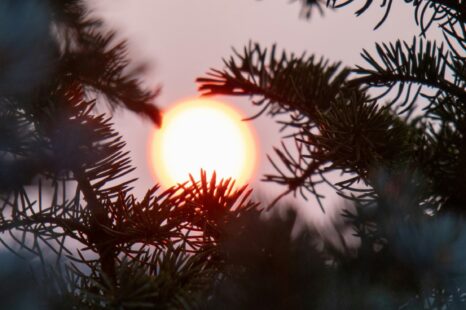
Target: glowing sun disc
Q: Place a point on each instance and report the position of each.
(203, 134)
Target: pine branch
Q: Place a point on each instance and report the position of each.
(442, 10)
(444, 153)
(87, 146)
(450, 16)
(100, 162)
(166, 279)
(209, 204)
(32, 223)
(82, 151)
(91, 56)
(401, 65)
(336, 126)
(286, 83)
(153, 221)
(22, 152)
(96, 155)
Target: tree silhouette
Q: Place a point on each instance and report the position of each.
(65, 191)
(394, 129)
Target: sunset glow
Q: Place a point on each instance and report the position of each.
(203, 134)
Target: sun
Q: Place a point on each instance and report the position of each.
(203, 134)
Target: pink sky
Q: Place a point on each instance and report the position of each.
(183, 39)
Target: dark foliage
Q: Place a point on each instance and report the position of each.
(394, 129)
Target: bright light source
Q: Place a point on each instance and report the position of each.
(203, 134)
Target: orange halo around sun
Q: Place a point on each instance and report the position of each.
(203, 134)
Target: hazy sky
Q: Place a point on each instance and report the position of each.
(181, 40)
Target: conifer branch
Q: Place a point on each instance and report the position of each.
(68, 225)
(336, 124)
(402, 64)
(92, 56)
